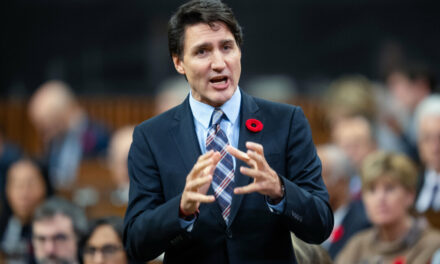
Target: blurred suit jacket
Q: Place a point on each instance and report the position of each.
(163, 152)
(354, 221)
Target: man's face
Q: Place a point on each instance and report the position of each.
(54, 240)
(210, 62)
(429, 142)
(353, 135)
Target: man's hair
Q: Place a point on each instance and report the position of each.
(55, 206)
(200, 11)
(430, 106)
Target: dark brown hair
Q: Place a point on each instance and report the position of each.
(200, 11)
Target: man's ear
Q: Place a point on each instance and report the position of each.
(178, 64)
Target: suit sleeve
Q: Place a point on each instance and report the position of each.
(151, 224)
(307, 208)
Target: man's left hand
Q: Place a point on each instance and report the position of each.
(266, 180)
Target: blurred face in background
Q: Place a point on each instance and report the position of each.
(429, 142)
(387, 201)
(211, 62)
(104, 247)
(354, 136)
(54, 240)
(25, 189)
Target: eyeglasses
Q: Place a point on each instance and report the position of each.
(107, 251)
(57, 239)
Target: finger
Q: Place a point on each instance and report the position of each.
(237, 153)
(240, 155)
(258, 158)
(201, 198)
(255, 147)
(198, 182)
(200, 166)
(251, 188)
(253, 173)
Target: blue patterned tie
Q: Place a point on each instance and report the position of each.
(223, 181)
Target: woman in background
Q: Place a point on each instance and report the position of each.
(388, 189)
(103, 242)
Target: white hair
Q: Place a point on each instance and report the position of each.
(339, 164)
(428, 107)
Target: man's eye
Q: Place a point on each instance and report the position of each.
(201, 52)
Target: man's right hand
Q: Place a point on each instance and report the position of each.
(197, 183)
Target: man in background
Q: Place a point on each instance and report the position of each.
(56, 229)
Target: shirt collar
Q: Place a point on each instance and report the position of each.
(202, 112)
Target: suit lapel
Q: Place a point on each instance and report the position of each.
(184, 135)
(249, 110)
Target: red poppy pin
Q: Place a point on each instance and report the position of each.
(399, 260)
(337, 234)
(254, 125)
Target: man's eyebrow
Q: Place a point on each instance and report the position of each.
(227, 41)
(201, 46)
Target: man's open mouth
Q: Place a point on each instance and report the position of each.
(219, 80)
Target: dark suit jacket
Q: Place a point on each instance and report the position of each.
(163, 152)
(354, 221)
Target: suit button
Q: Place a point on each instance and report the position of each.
(228, 233)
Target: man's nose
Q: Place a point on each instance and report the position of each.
(49, 247)
(218, 61)
(98, 257)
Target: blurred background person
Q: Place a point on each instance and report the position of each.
(409, 84)
(427, 118)
(283, 88)
(309, 254)
(102, 243)
(171, 92)
(388, 189)
(349, 214)
(9, 154)
(354, 135)
(67, 132)
(57, 227)
(117, 161)
(26, 188)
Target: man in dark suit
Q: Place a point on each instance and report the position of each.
(223, 177)
(349, 214)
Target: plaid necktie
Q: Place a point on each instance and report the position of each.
(223, 181)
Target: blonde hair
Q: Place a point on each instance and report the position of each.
(381, 164)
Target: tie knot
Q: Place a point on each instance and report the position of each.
(217, 116)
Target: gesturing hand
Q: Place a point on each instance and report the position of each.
(266, 180)
(197, 183)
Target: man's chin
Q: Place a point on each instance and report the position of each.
(54, 261)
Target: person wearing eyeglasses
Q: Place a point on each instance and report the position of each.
(57, 228)
(102, 243)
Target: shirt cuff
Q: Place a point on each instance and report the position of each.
(277, 208)
(187, 224)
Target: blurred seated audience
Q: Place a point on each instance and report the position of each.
(102, 243)
(9, 154)
(57, 227)
(409, 84)
(171, 93)
(349, 215)
(309, 254)
(355, 136)
(26, 188)
(388, 189)
(69, 135)
(428, 123)
(117, 162)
